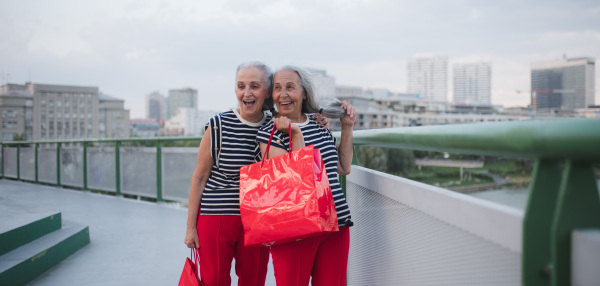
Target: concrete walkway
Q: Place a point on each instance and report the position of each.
(132, 242)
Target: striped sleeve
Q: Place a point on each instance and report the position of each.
(264, 133)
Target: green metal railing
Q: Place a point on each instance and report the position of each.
(118, 142)
(563, 191)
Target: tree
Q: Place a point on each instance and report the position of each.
(400, 161)
(372, 157)
(387, 160)
(20, 137)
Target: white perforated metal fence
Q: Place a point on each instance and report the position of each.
(409, 233)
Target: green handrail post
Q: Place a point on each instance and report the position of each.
(118, 168)
(159, 146)
(35, 152)
(85, 183)
(18, 162)
(342, 178)
(2, 163)
(58, 144)
(537, 222)
(578, 207)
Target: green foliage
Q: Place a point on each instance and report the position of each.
(20, 137)
(509, 167)
(387, 160)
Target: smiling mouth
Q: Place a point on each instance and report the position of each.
(286, 103)
(249, 103)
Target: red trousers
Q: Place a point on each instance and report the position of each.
(221, 240)
(324, 257)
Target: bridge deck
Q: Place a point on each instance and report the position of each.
(132, 242)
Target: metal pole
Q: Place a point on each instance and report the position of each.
(2, 156)
(159, 146)
(85, 182)
(18, 162)
(35, 150)
(118, 168)
(58, 163)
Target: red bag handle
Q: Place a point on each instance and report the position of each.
(196, 259)
(271, 138)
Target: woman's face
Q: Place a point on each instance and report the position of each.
(288, 93)
(251, 92)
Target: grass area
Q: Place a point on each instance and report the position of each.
(447, 177)
(517, 172)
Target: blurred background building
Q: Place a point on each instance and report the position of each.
(113, 118)
(156, 106)
(564, 84)
(188, 121)
(53, 112)
(185, 97)
(472, 83)
(428, 77)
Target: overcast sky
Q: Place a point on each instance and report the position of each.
(130, 48)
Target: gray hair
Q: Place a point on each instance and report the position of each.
(268, 104)
(311, 105)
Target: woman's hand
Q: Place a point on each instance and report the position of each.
(282, 123)
(191, 239)
(350, 117)
(321, 120)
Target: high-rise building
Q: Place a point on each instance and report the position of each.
(564, 84)
(51, 112)
(185, 97)
(156, 106)
(472, 83)
(428, 77)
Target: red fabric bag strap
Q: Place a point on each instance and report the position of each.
(270, 140)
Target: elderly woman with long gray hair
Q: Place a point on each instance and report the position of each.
(325, 257)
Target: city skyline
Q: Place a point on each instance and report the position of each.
(129, 49)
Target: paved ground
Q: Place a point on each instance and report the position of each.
(132, 242)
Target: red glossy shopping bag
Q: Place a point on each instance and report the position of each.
(189, 275)
(286, 198)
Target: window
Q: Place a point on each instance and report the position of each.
(9, 125)
(7, 136)
(9, 113)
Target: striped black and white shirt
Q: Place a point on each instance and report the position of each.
(326, 143)
(232, 148)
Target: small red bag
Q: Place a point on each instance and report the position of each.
(189, 275)
(286, 198)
